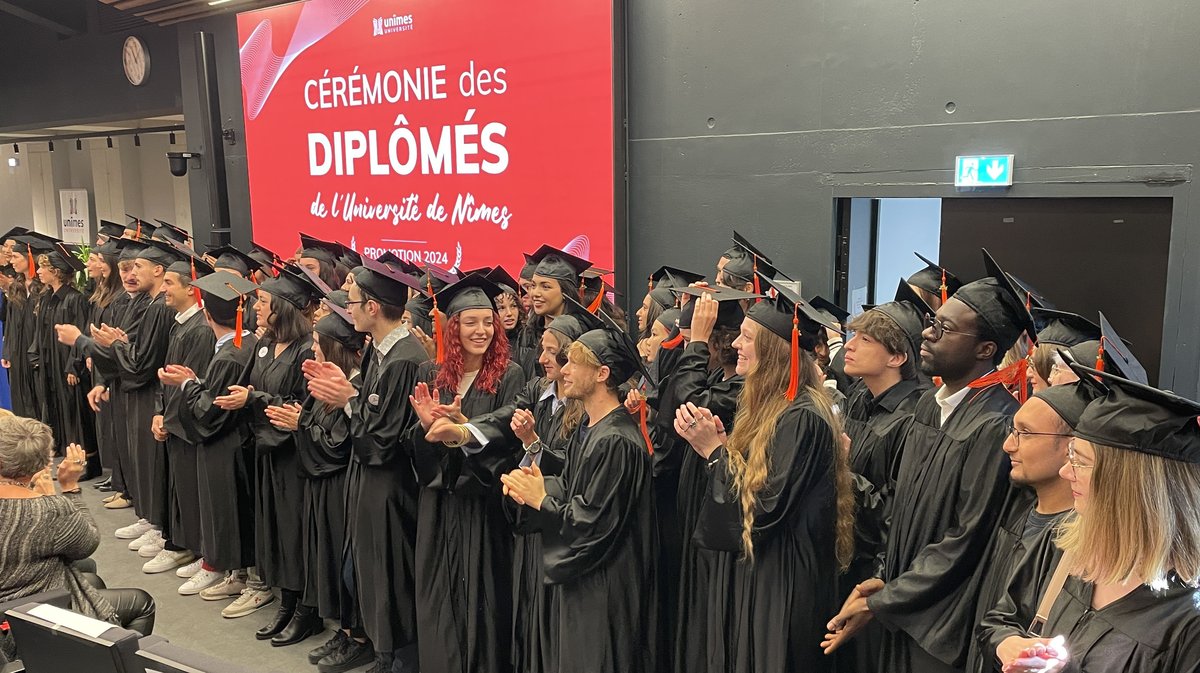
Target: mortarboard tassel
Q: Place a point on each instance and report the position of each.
(1012, 375)
(945, 293)
(196, 290)
(673, 343)
(594, 307)
(138, 235)
(32, 262)
(237, 327)
(794, 379)
(757, 286)
(645, 429)
(1100, 355)
(437, 326)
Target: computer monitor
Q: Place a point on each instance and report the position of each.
(163, 657)
(52, 640)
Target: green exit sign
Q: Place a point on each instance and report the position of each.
(984, 170)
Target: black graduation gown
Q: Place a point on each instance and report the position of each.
(75, 422)
(192, 345)
(103, 373)
(127, 311)
(877, 428)
(951, 485)
(382, 495)
(224, 458)
(529, 345)
(43, 409)
(518, 350)
(781, 601)
(279, 498)
(323, 450)
(1034, 560)
(1144, 632)
(598, 544)
(20, 328)
(138, 362)
(464, 545)
(697, 641)
(531, 596)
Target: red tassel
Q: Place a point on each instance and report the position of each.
(237, 326)
(1014, 374)
(196, 290)
(645, 428)
(794, 379)
(437, 326)
(757, 286)
(945, 293)
(594, 307)
(1029, 301)
(32, 264)
(138, 235)
(673, 343)
(1100, 355)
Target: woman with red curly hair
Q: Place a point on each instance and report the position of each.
(464, 544)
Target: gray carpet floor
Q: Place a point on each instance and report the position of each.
(189, 621)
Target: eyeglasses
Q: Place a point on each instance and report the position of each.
(1017, 434)
(939, 328)
(351, 303)
(1073, 460)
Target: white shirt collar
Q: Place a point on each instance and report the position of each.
(226, 338)
(948, 403)
(187, 315)
(552, 391)
(390, 340)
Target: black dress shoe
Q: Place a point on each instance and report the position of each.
(350, 656)
(305, 622)
(332, 645)
(105, 485)
(282, 616)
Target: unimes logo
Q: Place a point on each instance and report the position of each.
(386, 25)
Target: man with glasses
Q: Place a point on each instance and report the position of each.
(951, 486)
(1036, 447)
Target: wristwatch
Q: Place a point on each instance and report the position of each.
(534, 448)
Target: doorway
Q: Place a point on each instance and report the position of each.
(1083, 254)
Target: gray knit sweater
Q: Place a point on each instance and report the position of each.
(39, 538)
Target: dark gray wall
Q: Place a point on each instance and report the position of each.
(46, 80)
(814, 100)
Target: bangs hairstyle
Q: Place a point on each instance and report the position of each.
(653, 313)
(287, 324)
(883, 329)
(495, 358)
(760, 404)
(1142, 520)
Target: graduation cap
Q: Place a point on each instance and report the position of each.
(1069, 400)
(1061, 328)
(8, 270)
(1033, 298)
(908, 312)
(292, 286)
(559, 265)
(193, 266)
(160, 252)
(1137, 417)
(139, 229)
(266, 258)
(109, 248)
(747, 263)
(315, 248)
(418, 308)
(315, 280)
(435, 279)
(473, 292)
(575, 320)
(339, 326)
(34, 242)
(935, 279)
(339, 298)
(229, 257)
(19, 231)
(614, 349)
(529, 267)
(168, 231)
(998, 305)
(669, 318)
(670, 277)
(1113, 347)
(837, 313)
(729, 305)
(507, 284)
(383, 283)
(65, 257)
(792, 319)
(227, 287)
(350, 257)
(127, 248)
(392, 259)
(110, 229)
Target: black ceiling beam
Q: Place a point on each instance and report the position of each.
(8, 7)
(93, 134)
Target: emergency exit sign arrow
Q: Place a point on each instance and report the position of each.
(995, 170)
(983, 171)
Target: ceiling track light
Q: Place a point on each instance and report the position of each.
(51, 145)
(16, 148)
(110, 142)
(171, 137)
(78, 144)
(137, 140)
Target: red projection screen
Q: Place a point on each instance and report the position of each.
(459, 133)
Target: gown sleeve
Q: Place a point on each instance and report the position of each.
(139, 360)
(379, 429)
(590, 521)
(206, 420)
(324, 434)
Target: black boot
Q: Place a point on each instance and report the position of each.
(332, 645)
(351, 655)
(93, 467)
(287, 608)
(105, 485)
(305, 622)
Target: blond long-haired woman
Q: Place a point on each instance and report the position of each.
(779, 493)
(1133, 549)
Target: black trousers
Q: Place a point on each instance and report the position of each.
(135, 608)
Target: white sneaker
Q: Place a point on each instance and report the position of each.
(231, 587)
(248, 602)
(167, 560)
(134, 530)
(151, 548)
(190, 569)
(202, 580)
(142, 541)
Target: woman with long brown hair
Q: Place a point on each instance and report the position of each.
(463, 544)
(779, 493)
(21, 330)
(555, 276)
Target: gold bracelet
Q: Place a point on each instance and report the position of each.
(462, 441)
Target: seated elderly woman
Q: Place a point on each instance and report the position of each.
(45, 534)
